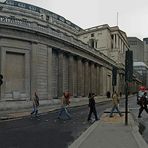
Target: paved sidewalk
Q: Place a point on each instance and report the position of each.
(111, 133)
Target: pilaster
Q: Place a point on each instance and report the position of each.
(79, 76)
(98, 80)
(71, 73)
(75, 77)
(60, 76)
(86, 79)
(49, 52)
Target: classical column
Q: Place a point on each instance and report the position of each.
(92, 78)
(79, 76)
(49, 52)
(117, 41)
(86, 79)
(98, 80)
(75, 77)
(114, 41)
(60, 76)
(118, 83)
(120, 45)
(95, 79)
(89, 77)
(65, 72)
(71, 67)
(83, 79)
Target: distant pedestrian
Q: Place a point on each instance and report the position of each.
(64, 104)
(35, 101)
(143, 104)
(92, 106)
(115, 101)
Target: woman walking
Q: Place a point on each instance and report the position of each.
(115, 101)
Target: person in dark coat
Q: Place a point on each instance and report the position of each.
(92, 107)
(143, 104)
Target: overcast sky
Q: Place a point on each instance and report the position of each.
(132, 14)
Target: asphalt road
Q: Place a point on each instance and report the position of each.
(46, 131)
(49, 132)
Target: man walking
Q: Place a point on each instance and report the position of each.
(143, 104)
(92, 107)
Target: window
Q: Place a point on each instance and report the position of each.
(47, 18)
(92, 35)
(92, 43)
(96, 44)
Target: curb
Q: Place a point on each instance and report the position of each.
(138, 137)
(83, 136)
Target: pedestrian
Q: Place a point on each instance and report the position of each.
(92, 107)
(35, 101)
(143, 104)
(115, 101)
(64, 105)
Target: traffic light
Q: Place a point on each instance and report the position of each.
(1, 79)
(129, 66)
(114, 76)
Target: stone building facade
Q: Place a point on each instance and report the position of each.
(40, 51)
(111, 41)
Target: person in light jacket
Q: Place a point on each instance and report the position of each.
(35, 101)
(115, 101)
(64, 104)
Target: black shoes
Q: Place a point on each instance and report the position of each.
(139, 116)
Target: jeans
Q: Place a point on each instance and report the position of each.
(64, 109)
(115, 107)
(35, 110)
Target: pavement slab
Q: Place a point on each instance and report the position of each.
(111, 133)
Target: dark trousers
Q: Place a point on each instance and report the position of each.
(92, 110)
(142, 108)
